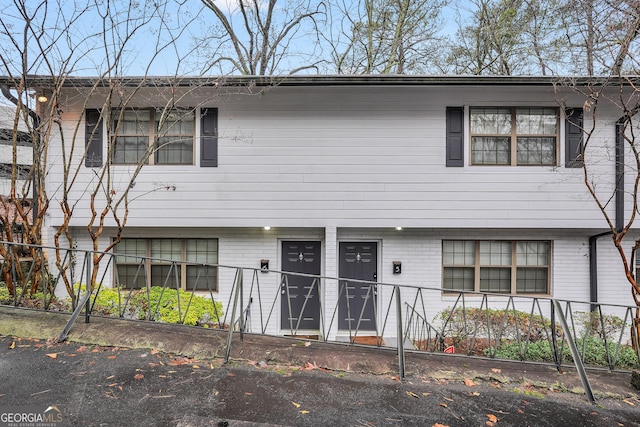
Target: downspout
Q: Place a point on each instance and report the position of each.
(36, 143)
(620, 124)
(619, 193)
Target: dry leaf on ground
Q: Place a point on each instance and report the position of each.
(52, 355)
(179, 361)
(138, 376)
(468, 382)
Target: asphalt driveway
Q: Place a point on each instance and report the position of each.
(271, 381)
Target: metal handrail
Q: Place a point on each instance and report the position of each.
(474, 320)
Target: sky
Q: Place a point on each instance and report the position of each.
(172, 35)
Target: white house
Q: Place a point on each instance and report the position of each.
(452, 183)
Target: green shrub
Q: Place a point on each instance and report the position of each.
(25, 297)
(536, 351)
(591, 349)
(5, 296)
(518, 335)
(158, 304)
(194, 309)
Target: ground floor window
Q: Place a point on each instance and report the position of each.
(511, 267)
(156, 262)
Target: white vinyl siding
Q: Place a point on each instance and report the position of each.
(354, 157)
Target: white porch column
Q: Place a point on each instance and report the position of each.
(330, 298)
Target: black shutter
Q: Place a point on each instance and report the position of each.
(209, 137)
(93, 138)
(455, 136)
(573, 130)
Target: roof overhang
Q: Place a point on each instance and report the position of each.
(38, 81)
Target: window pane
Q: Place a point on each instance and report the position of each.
(202, 278)
(166, 249)
(175, 129)
(486, 150)
(495, 253)
(203, 251)
(491, 121)
(130, 263)
(133, 247)
(174, 150)
(458, 279)
(536, 151)
(532, 280)
(129, 149)
(130, 132)
(130, 276)
(131, 122)
(164, 275)
(536, 121)
(459, 252)
(532, 253)
(495, 280)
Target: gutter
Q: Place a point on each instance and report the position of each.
(620, 173)
(320, 80)
(593, 268)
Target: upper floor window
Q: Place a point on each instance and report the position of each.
(153, 136)
(514, 136)
(511, 267)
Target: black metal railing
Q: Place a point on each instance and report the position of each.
(407, 318)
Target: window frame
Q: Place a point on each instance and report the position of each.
(150, 262)
(152, 135)
(514, 266)
(513, 135)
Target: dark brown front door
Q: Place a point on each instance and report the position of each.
(299, 295)
(357, 301)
